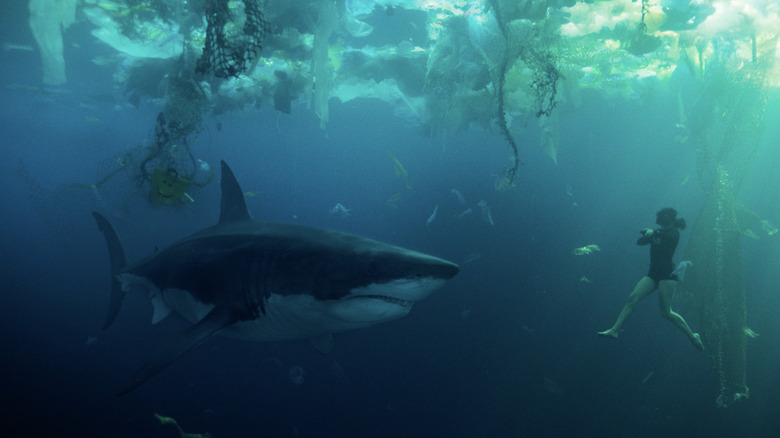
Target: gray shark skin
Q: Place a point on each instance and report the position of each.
(263, 281)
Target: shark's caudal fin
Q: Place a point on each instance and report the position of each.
(233, 207)
(216, 320)
(116, 253)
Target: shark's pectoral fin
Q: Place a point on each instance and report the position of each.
(323, 344)
(179, 344)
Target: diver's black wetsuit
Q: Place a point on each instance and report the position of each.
(662, 243)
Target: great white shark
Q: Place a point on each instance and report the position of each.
(263, 281)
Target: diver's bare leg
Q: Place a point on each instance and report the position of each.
(643, 288)
(666, 289)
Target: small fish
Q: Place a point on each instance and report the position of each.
(105, 61)
(647, 377)
(489, 217)
(768, 228)
(464, 213)
(400, 171)
(394, 200)
(459, 195)
(471, 257)
(679, 271)
(340, 209)
(486, 215)
(7, 47)
(585, 250)
(432, 217)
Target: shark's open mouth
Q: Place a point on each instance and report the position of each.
(393, 300)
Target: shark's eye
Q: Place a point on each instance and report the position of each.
(372, 267)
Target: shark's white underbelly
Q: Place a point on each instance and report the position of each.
(285, 318)
(299, 316)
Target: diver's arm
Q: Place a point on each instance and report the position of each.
(646, 238)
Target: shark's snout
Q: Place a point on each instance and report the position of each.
(448, 269)
(434, 267)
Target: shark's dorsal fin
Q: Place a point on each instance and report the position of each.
(233, 207)
(216, 320)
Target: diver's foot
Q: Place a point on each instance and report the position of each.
(697, 342)
(609, 334)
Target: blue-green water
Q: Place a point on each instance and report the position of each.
(508, 348)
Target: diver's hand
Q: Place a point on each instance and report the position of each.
(647, 232)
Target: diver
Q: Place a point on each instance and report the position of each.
(661, 276)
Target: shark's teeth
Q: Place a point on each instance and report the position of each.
(397, 301)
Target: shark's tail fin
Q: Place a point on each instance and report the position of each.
(116, 253)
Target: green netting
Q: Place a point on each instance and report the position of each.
(717, 286)
(234, 37)
(727, 126)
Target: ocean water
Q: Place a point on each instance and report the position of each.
(508, 348)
